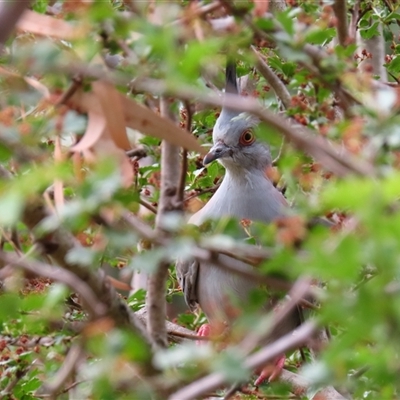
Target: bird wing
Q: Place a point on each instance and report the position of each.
(187, 272)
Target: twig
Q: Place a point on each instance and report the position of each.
(340, 9)
(184, 162)
(214, 381)
(149, 206)
(279, 88)
(278, 156)
(73, 385)
(211, 189)
(175, 332)
(75, 85)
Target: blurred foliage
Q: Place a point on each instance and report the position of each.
(357, 260)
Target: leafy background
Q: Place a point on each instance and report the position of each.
(79, 193)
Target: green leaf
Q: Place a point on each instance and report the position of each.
(10, 304)
(11, 206)
(394, 66)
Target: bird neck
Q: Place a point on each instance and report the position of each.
(238, 175)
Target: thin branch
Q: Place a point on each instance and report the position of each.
(278, 156)
(149, 206)
(74, 86)
(214, 381)
(176, 333)
(91, 302)
(277, 85)
(64, 373)
(299, 290)
(340, 9)
(19, 374)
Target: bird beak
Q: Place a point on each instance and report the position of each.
(217, 151)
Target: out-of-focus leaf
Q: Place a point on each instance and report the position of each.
(9, 306)
(140, 118)
(46, 25)
(111, 106)
(185, 353)
(11, 206)
(231, 365)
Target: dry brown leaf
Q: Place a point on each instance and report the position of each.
(98, 138)
(118, 284)
(95, 129)
(45, 25)
(140, 118)
(111, 106)
(30, 81)
(98, 327)
(147, 121)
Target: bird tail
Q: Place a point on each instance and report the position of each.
(231, 79)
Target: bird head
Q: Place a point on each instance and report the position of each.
(235, 144)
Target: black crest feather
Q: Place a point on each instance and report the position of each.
(231, 80)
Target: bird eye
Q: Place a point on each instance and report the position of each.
(247, 137)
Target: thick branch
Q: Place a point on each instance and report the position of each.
(156, 302)
(376, 48)
(333, 158)
(300, 386)
(340, 8)
(10, 12)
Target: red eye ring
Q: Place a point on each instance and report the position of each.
(247, 137)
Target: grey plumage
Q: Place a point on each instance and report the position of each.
(245, 193)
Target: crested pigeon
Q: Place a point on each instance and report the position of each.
(245, 193)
